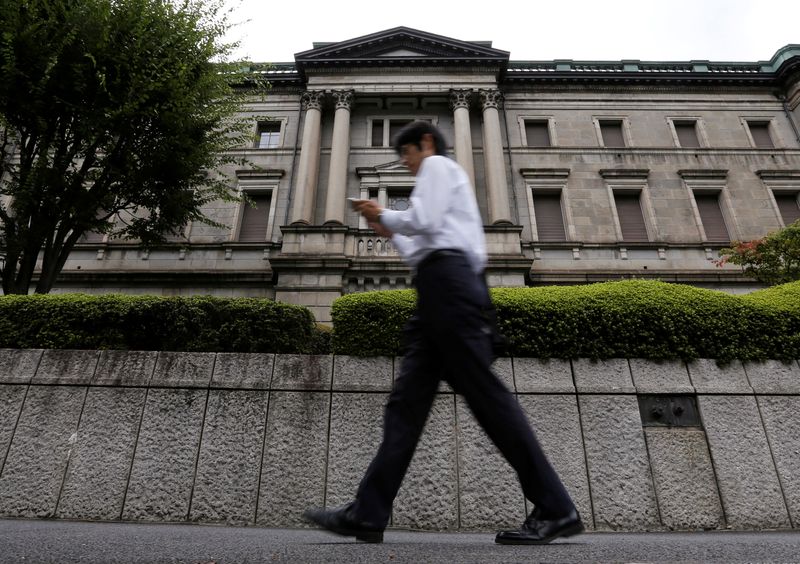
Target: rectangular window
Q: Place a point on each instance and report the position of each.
(549, 218)
(395, 125)
(377, 133)
(712, 218)
(687, 133)
(631, 219)
(269, 134)
(759, 131)
(255, 219)
(788, 206)
(537, 133)
(611, 130)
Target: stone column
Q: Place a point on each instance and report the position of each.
(496, 181)
(459, 103)
(305, 187)
(340, 151)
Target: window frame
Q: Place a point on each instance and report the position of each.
(699, 129)
(523, 132)
(387, 141)
(281, 132)
(627, 138)
(772, 131)
(258, 183)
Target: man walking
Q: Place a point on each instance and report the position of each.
(441, 237)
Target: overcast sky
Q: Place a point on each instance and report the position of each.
(605, 30)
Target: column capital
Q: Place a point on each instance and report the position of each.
(312, 99)
(491, 98)
(343, 98)
(460, 98)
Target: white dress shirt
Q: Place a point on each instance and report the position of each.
(443, 215)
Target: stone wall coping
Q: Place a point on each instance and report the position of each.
(343, 373)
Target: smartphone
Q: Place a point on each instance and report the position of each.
(355, 202)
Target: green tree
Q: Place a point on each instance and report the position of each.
(109, 110)
(775, 259)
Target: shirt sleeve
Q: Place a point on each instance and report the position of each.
(429, 201)
(404, 245)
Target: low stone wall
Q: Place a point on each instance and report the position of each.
(253, 439)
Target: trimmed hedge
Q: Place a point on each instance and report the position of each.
(632, 318)
(199, 323)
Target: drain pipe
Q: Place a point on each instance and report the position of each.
(788, 113)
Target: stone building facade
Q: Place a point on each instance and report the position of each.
(584, 171)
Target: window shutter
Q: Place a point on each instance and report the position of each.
(549, 219)
(255, 219)
(787, 204)
(760, 132)
(612, 133)
(537, 133)
(687, 133)
(631, 220)
(711, 216)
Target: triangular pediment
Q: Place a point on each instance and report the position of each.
(401, 45)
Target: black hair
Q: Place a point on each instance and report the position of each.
(412, 134)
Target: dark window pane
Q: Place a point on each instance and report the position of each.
(711, 216)
(537, 133)
(687, 133)
(787, 204)
(377, 133)
(760, 132)
(612, 133)
(255, 219)
(549, 219)
(269, 134)
(631, 220)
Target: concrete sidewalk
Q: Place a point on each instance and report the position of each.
(23, 541)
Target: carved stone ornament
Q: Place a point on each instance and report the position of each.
(460, 98)
(312, 99)
(491, 98)
(343, 98)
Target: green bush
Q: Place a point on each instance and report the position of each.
(201, 323)
(633, 318)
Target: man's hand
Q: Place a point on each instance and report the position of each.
(369, 209)
(380, 229)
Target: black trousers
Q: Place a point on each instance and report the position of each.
(449, 338)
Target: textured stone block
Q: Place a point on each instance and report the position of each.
(555, 421)
(166, 454)
(619, 471)
(428, 498)
(782, 425)
(611, 376)
(40, 450)
(551, 376)
(11, 398)
(748, 481)
(660, 377)
(125, 368)
(355, 373)
(490, 494)
(226, 486)
(302, 372)
(17, 366)
(243, 370)
(710, 378)
(94, 487)
(504, 369)
(293, 468)
(684, 478)
(66, 367)
(773, 377)
(356, 432)
(183, 370)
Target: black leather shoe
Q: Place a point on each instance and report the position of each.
(341, 522)
(536, 530)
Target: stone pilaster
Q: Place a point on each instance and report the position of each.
(308, 169)
(496, 181)
(459, 103)
(340, 151)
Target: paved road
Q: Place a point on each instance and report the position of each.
(108, 543)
